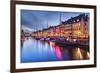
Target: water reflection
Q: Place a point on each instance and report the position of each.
(41, 51)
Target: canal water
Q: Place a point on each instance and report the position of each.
(33, 50)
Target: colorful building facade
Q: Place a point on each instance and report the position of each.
(75, 28)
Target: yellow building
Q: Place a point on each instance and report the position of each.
(76, 27)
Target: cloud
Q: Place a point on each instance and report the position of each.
(27, 29)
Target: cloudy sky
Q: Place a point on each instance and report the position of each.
(33, 20)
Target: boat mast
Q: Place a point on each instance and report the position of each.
(37, 30)
(47, 27)
(60, 22)
(60, 17)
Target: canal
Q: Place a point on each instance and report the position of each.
(33, 50)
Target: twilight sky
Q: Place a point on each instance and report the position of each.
(33, 20)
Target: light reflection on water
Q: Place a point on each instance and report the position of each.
(39, 51)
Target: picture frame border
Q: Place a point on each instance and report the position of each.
(13, 35)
